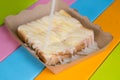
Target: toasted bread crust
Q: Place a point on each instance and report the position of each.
(22, 36)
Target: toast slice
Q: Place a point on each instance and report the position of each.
(66, 38)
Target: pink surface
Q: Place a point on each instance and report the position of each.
(69, 2)
(7, 43)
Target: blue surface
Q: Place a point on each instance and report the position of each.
(20, 65)
(91, 8)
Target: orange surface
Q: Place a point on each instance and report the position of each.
(110, 22)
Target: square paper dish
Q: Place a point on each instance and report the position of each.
(102, 38)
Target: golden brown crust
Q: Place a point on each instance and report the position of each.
(54, 59)
(22, 35)
(41, 56)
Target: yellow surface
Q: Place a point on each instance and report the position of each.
(110, 22)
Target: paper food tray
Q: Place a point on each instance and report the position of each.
(102, 38)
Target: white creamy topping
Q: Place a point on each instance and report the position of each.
(65, 35)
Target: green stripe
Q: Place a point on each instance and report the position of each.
(110, 69)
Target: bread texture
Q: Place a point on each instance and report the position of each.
(67, 37)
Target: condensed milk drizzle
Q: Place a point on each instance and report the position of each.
(48, 34)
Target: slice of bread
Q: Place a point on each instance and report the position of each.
(66, 37)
